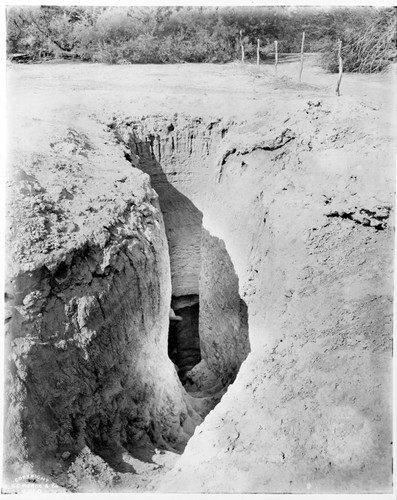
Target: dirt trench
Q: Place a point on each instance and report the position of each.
(178, 154)
(278, 313)
(96, 358)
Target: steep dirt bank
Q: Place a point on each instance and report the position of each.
(287, 224)
(305, 212)
(300, 213)
(89, 294)
(178, 153)
(175, 152)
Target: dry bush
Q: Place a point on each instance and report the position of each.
(367, 49)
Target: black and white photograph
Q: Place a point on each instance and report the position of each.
(199, 247)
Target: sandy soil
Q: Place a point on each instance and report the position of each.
(43, 100)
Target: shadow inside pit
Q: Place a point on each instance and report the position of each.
(142, 453)
(183, 227)
(187, 237)
(113, 455)
(183, 339)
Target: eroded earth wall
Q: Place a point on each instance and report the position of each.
(305, 213)
(223, 314)
(176, 152)
(89, 294)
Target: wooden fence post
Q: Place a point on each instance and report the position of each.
(301, 68)
(340, 66)
(275, 56)
(257, 54)
(242, 46)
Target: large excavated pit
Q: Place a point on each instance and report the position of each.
(203, 305)
(99, 320)
(209, 321)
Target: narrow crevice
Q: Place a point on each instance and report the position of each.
(208, 340)
(184, 340)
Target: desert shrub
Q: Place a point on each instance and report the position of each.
(201, 34)
(85, 32)
(369, 48)
(108, 54)
(198, 48)
(45, 30)
(166, 53)
(141, 50)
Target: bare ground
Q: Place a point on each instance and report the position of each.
(46, 99)
(43, 97)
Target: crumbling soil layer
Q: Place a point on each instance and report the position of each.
(131, 189)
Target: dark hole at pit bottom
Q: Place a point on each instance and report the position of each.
(183, 339)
